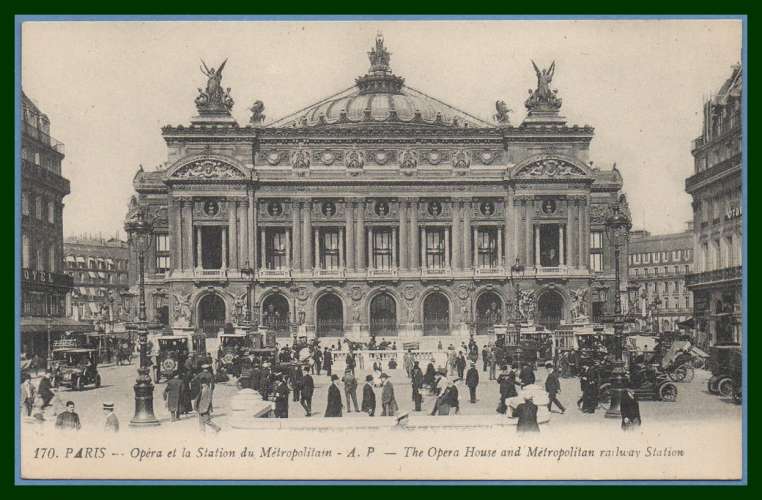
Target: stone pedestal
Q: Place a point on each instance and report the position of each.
(181, 331)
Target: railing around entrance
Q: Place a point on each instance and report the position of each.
(384, 327)
(211, 327)
(436, 327)
(484, 327)
(279, 326)
(330, 328)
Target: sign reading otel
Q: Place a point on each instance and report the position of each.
(45, 277)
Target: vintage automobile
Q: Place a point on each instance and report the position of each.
(74, 367)
(677, 361)
(726, 365)
(648, 381)
(232, 348)
(172, 352)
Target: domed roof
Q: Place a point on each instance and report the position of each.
(380, 97)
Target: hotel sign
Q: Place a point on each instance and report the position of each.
(733, 213)
(45, 277)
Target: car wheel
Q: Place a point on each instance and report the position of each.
(678, 374)
(725, 387)
(97, 381)
(737, 397)
(668, 392)
(711, 385)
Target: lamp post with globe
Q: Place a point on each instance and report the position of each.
(618, 227)
(140, 230)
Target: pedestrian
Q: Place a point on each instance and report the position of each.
(265, 383)
(460, 364)
(553, 387)
(308, 389)
(451, 368)
(350, 361)
(281, 397)
(472, 380)
(527, 415)
(334, 406)
(439, 345)
(589, 395)
(442, 403)
(296, 382)
(526, 376)
(68, 420)
(368, 396)
(28, 393)
(492, 356)
(317, 357)
(112, 422)
(453, 398)
(416, 376)
(173, 395)
(485, 360)
(350, 389)
(407, 363)
(507, 388)
(630, 409)
(388, 402)
(327, 361)
(429, 378)
(45, 389)
(204, 406)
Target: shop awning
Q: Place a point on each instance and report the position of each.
(93, 292)
(83, 291)
(102, 275)
(70, 259)
(93, 307)
(688, 323)
(81, 260)
(92, 274)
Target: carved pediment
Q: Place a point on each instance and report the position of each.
(206, 168)
(549, 167)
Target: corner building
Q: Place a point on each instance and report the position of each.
(380, 211)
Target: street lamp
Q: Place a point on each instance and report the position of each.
(618, 231)
(139, 231)
(517, 267)
(248, 271)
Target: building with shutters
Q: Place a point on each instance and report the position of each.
(716, 188)
(380, 211)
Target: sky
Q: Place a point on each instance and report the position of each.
(109, 87)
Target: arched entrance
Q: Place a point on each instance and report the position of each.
(489, 312)
(436, 315)
(162, 315)
(275, 314)
(211, 314)
(330, 316)
(550, 309)
(383, 315)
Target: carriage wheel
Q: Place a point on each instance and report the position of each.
(678, 374)
(725, 387)
(668, 392)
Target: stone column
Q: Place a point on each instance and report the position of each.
(350, 232)
(414, 254)
(582, 259)
(468, 259)
(395, 263)
(232, 231)
(572, 258)
(448, 258)
(224, 248)
(499, 247)
(316, 264)
(296, 223)
(422, 248)
(243, 239)
(369, 261)
(252, 233)
(173, 239)
(341, 249)
(360, 232)
(307, 259)
(289, 264)
(510, 253)
(528, 232)
(561, 253)
(199, 259)
(263, 250)
(457, 239)
(537, 245)
(403, 254)
(586, 232)
(475, 257)
(188, 234)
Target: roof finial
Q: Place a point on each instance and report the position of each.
(379, 57)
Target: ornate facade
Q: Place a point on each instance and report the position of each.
(381, 211)
(716, 188)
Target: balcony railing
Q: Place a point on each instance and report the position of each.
(43, 137)
(328, 273)
(730, 163)
(383, 273)
(442, 272)
(489, 272)
(715, 276)
(274, 274)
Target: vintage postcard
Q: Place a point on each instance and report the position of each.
(381, 249)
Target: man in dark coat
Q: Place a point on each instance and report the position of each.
(485, 355)
(296, 381)
(350, 361)
(416, 377)
(453, 397)
(589, 394)
(460, 364)
(388, 402)
(318, 357)
(472, 380)
(553, 387)
(334, 406)
(507, 388)
(350, 390)
(327, 361)
(527, 415)
(630, 409)
(368, 397)
(173, 392)
(45, 390)
(526, 376)
(308, 389)
(265, 382)
(281, 398)
(68, 420)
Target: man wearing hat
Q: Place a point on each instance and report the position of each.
(507, 385)
(368, 397)
(416, 377)
(112, 422)
(527, 415)
(350, 389)
(308, 389)
(281, 397)
(388, 402)
(472, 380)
(333, 408)
(68, 420)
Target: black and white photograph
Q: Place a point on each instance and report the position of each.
(381, 249)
